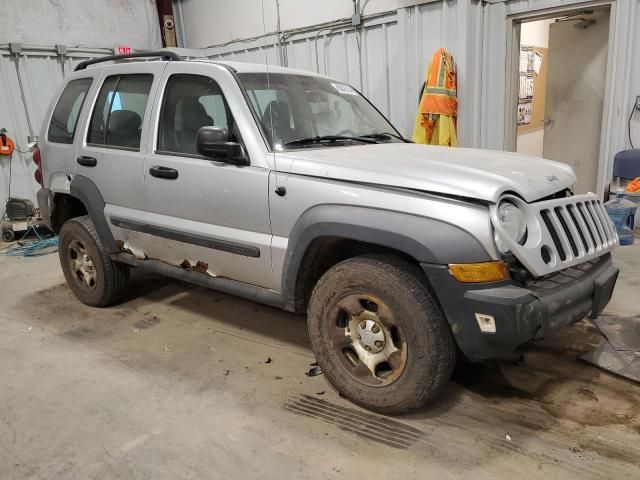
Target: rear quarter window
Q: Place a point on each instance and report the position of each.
(64, 120)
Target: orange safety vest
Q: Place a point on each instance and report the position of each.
(439, 97)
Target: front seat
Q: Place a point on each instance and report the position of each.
(277, 115)
(190, 117)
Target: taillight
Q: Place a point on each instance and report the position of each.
(37, 159)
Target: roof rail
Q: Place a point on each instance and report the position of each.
(164, 54)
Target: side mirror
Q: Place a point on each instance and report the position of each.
(213, 142)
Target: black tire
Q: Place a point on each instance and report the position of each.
(420, 327)
(110, 280)
(8, 235)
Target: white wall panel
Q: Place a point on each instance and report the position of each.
(390, 54)
(231, 25)
(86, 23)
(456, 26)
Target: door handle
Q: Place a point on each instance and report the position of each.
(163, 172)
(87, 161)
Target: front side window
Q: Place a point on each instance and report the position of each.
(119, 111)
(295, 108)
(190, 103)
(65, 116)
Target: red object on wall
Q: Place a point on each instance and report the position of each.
(6, 145)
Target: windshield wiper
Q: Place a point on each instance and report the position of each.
(328, 139)
(385, 136)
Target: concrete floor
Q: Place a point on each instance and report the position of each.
(173, 384)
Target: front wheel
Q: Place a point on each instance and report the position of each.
(93, 277)
(378, 334)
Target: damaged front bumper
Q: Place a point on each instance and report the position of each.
(515, 314)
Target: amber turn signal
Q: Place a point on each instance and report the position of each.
(479, 272)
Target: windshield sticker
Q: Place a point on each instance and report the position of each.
(344, 89)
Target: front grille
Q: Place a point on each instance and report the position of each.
(562, 232)
(579, 228)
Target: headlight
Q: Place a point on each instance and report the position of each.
(513, 221)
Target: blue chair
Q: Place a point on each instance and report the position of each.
(626, 167)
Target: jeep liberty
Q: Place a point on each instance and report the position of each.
(292, 189)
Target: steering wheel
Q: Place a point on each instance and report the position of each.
(350, 132)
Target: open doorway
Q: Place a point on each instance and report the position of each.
(562, 75)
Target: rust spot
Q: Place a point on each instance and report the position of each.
(199, 267)
(123, 248)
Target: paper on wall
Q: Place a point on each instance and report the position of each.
(537, 63)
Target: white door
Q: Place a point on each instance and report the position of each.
(575, 89)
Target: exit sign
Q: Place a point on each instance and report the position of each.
(123, 50)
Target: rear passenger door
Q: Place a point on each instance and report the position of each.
(57, 143)
(201, 210)
(112, 153)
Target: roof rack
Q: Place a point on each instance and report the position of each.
(164, 54)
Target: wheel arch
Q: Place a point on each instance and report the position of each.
(63, 207)
(327, 234)
(83, 190)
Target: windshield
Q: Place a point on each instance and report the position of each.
(300, 111)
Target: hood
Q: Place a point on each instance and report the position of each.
(465, 172)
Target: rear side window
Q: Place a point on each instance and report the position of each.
(191, 102)
(65, 116)
(117, 116)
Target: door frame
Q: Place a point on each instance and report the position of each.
(514, 22)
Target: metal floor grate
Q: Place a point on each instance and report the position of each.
(367, 425)
(619, 353)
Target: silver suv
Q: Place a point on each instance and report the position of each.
(292, 189)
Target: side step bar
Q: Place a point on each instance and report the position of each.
(221, 284)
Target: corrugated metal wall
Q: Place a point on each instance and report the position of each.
(368, 60)
(22, 108)
(387, 58)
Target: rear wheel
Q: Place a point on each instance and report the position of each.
(378, 334)
(93, 277)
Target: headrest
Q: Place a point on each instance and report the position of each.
(277, 112)
(191, 115)
(124, 120)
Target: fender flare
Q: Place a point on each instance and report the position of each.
(87, 192)
(426, 240)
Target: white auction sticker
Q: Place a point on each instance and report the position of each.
(344, 89)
